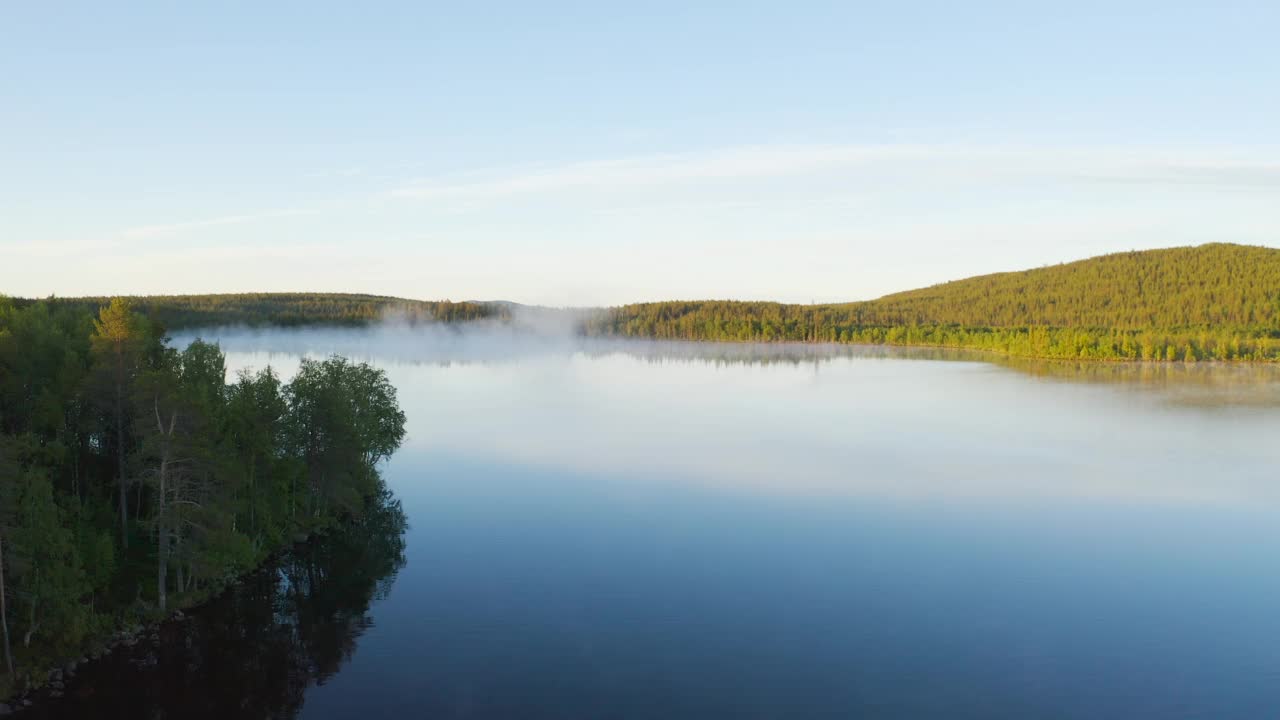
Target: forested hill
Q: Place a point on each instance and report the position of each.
(175, 312)
(1216, 301)
(1218, 284)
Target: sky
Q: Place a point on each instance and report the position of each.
(602, 153)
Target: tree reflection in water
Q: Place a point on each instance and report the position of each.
(253, 651)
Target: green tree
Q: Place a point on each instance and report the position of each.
(45, 566)
(118, 344)
(343, 419)
(256, 411)
(78, 394)
(175, 455)
(8, 495)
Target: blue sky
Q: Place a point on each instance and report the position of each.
(597, 153)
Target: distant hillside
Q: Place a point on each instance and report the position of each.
(1216, 301)
(1212, 285)
(176, 312)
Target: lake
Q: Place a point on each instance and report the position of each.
(666, 530)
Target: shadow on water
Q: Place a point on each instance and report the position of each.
(255, 650)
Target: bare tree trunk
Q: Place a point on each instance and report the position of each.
(137, 501)
(253, 494)
(162, 569)
(181, 585)
(75, 472)
(32, 626)
(162, 529)
(124, 497)
(4, 616)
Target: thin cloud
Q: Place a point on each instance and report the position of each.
(335, 173)
(929, 163)
(57, 248)
(1227, 175)
(161, 230)
(657, 170)
(223, 253)
(129, 237)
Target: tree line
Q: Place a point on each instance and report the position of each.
(134, 478)
(1211, 302)
(177, 312)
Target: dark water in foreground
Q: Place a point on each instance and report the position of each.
(677, 531)
(255, 650)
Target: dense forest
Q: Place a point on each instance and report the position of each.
(1211, 302)
(134, 479)
(260, 645)
(175, 312)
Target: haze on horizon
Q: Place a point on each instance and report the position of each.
(565, 155)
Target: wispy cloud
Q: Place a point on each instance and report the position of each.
(663, 169)
(346, 172)
(165, 229)
(924, 163)
(221, 253)
(131, 237)
(1229, 174)
(55, 248)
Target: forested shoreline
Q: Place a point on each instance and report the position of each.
(722, 321)
(1210, 302)
(177, 312)
(134, 479)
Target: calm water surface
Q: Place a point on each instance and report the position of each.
(696, 531)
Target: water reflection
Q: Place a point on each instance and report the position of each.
(675, 530)
(254, 651)
(1200, 384)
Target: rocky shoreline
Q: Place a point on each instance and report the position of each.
(54, 684)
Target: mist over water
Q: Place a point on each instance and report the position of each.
(638, 530)
(480, 342)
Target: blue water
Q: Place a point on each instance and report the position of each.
(676, 531)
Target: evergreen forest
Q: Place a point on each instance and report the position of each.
(135, 480)
(1210, 302)
(178, 312)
